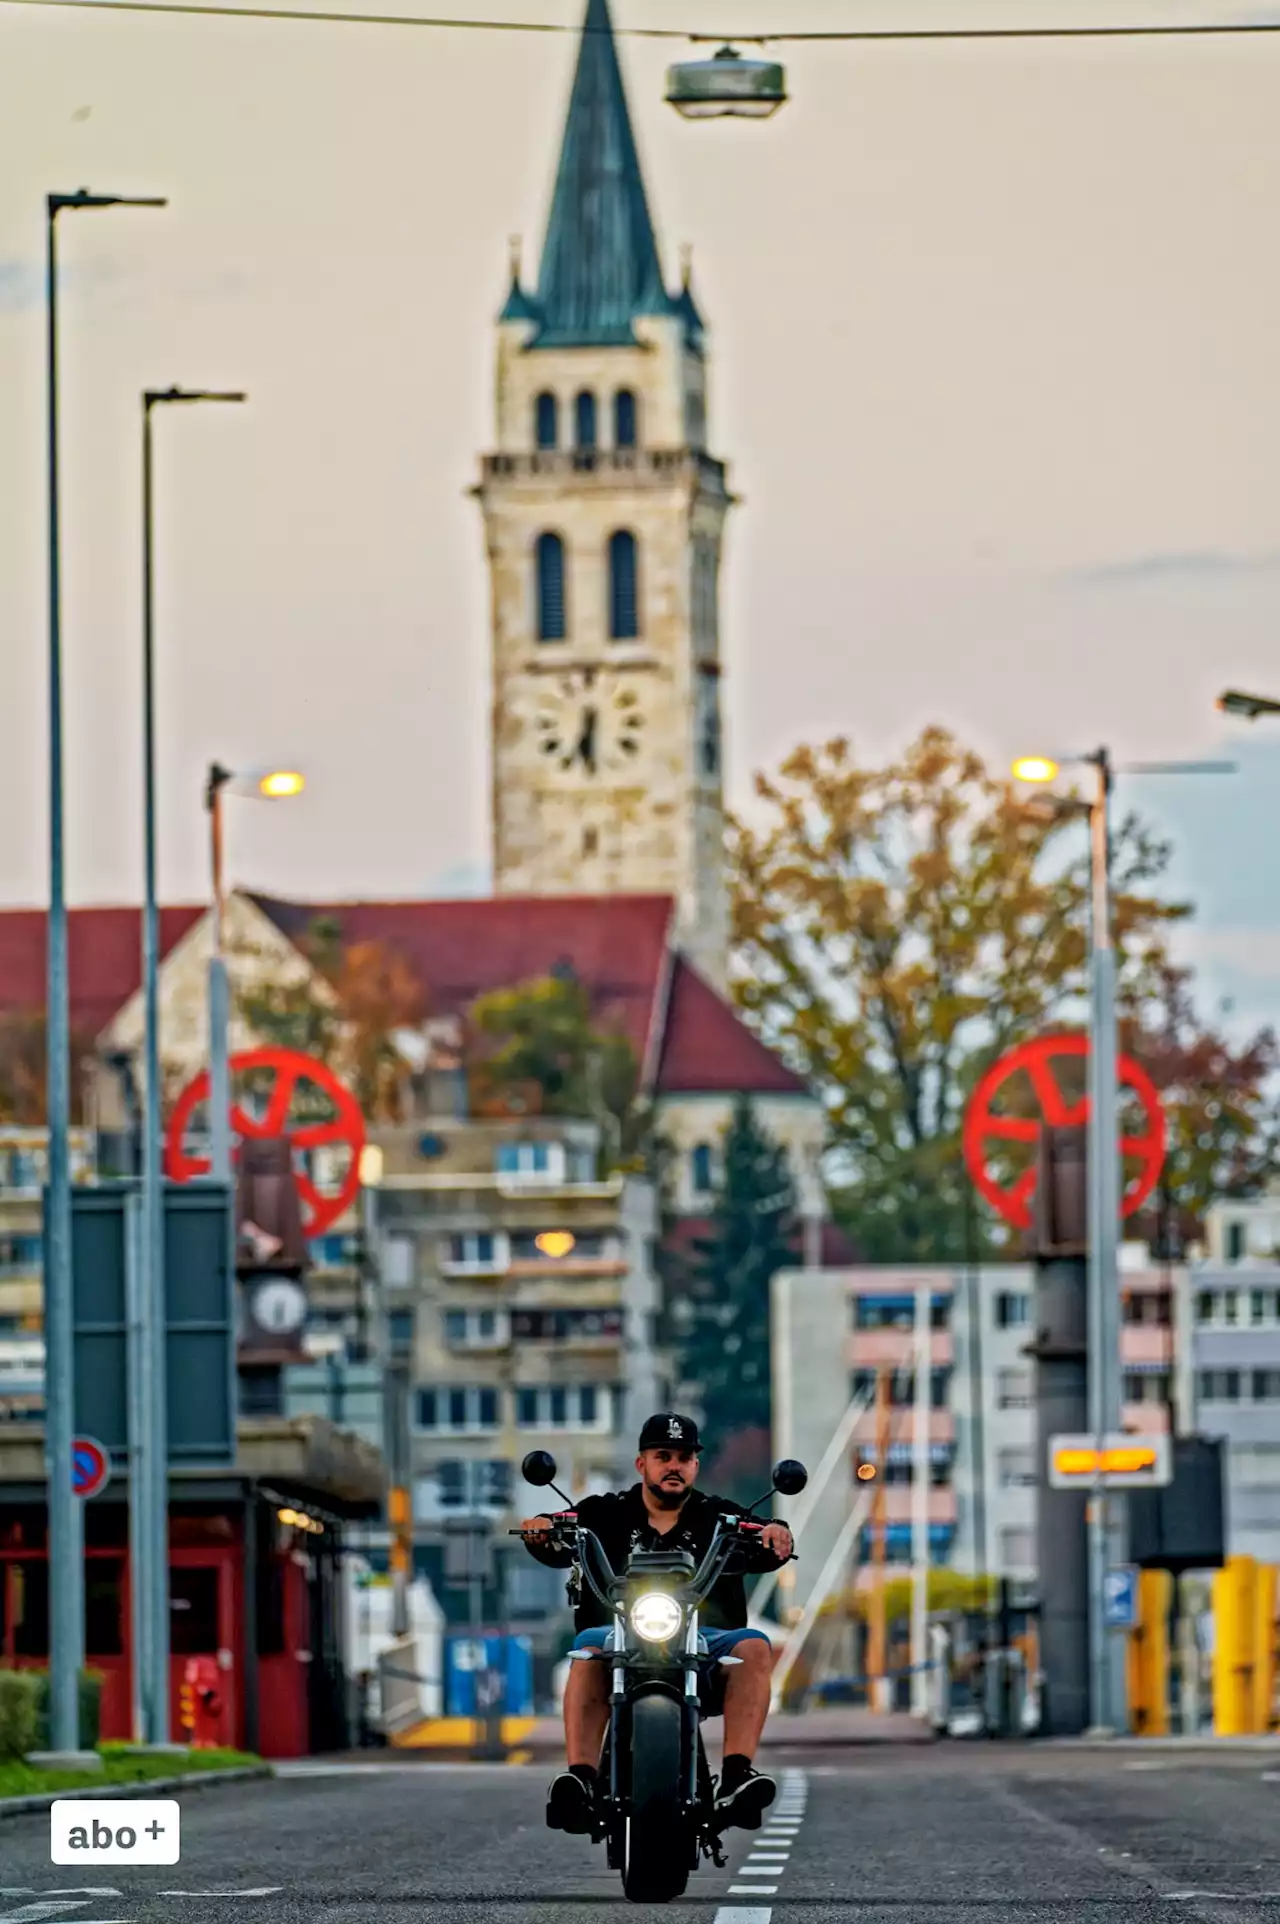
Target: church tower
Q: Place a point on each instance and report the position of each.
(604, 516)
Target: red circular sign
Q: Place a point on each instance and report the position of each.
(90, 1467)
(291, 1068)
(1034, 1060)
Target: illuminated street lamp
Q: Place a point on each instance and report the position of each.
(263, 784)
(727, 87)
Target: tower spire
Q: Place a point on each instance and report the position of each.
(600, 266)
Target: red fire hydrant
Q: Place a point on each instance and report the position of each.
(202, 1681)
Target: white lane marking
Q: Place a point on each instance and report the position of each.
(739, 1914)
(753, 1890)
(1222, 1897)
(261, 1890)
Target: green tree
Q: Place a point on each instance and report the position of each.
(725, 1354)
(24, 1060)
(535, 1048)
(897, 928)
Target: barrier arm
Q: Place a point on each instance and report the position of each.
(822, 1590)
(837, 1452)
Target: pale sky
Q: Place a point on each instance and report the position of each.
(995, 366)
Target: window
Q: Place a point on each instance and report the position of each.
(1235, 1242)
(575, 1406)
(701, 1173)
(456, 1409)
(479, 1251)
(531, 1161)
(396, 1260)
(1266, 1386)
(1218, 1386)
(624, 419)
(400, 1328)
(584, 421)
(458, 1485)
(1013, 1389)
(624, 587)
(1204, 1306)
(473, 1329)
(551, 599)
(1146, 1310)
(1146, 1386)
(940, 1313)
(1259, 1305)
(1013, 1309)
(1016, 1469)
(1230, 1306)
(883, 1312)
(546, 422)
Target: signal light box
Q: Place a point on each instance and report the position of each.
(1122, 1462)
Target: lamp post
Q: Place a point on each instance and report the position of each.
(153, 1517)
(66, 1612)
(1105, 1192)
(272, 785)
(1250, 707)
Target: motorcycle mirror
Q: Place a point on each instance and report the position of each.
(789, 1477)
(539, 1468)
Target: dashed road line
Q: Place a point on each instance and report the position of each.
(770, 1854)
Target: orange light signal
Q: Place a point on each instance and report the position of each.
(866, 1472)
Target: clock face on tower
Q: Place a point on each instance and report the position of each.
(590, 726)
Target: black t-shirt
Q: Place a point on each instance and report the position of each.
(623, 1525)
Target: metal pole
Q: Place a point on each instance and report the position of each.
(877, 1655)
(219, 997)
(155, 1521)
(1104, 1217)
(66, 1625)
(920, 1504)
(135, 1274)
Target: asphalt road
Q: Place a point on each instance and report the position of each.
(969, 1834)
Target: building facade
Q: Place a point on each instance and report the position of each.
(604, 515)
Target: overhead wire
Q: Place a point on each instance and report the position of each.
(212, 9)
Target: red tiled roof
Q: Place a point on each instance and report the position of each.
(617, 946)
(104, 958)
(707, 1048)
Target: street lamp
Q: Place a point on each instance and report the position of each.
(270, 785)
(154, 1442)
(1105, 1187)
(1235, 702)
(726, 87)
(66, 1583)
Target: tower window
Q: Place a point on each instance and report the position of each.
(624, 585)
(624, 418)
(546, 421)
(584, 417)
(550, 571)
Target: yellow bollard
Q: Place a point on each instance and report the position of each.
(1234, 1625)
(1149, 1656)
(1264, 1649)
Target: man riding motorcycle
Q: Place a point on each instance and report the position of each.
(664, 1511)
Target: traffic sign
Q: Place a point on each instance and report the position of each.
(1120, 1597)
(1123, 1463)
(90, 1467)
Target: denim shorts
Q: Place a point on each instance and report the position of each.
(715, 1643)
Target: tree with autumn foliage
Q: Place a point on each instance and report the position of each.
(351, 1012)
(1221, 1110)
(24, 1069)
(536, 1048)
(895, 930)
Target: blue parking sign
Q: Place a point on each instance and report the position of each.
(1121, 1596)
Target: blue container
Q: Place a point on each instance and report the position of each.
(502, 1665)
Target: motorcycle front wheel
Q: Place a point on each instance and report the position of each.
(658, 1848)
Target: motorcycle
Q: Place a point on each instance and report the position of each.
(656, 1799)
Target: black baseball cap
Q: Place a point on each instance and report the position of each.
(667, 1431)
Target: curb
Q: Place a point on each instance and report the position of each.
(193, 1780)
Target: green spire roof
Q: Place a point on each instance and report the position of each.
(600, 266)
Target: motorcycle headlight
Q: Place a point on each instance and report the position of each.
(656, 1617)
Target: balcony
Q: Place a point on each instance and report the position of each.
(869, 1348)
(609, 467)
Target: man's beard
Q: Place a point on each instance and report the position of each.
(667, 1496)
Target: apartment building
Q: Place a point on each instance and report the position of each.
(834, 1331)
